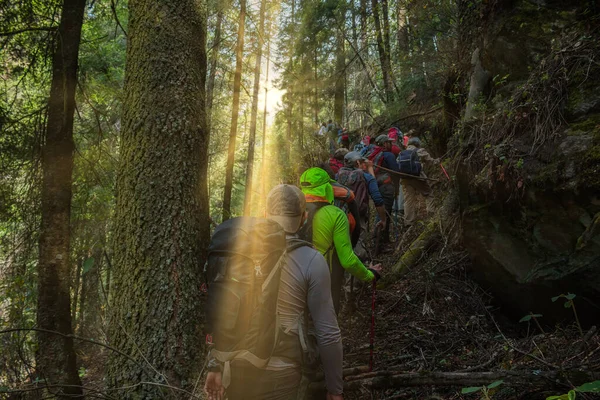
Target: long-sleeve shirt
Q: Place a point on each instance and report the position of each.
(373, 189)
(389, 161)
(331, 230)
(305, 281)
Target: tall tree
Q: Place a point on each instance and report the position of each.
(237, 84)
(56, 360)
(254, 111)
(384, 55)
(161, 205)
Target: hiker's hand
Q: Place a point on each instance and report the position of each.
(376, 269)
(334, 396)
(369, 163)
(381, 224)
(214, 386)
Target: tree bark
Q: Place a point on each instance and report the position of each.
(161, 205)
(384, 57)
(340, 69)
(237, 84)
(55, 357)
(214, 60)
(264, 127)
(254, 109)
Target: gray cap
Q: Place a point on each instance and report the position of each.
(351, 158)
(286, 205)
(415, 141)
(381, 139)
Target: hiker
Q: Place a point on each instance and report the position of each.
(382, 156)
(412, 188)
(332, 136)
(323, 129)
(327, 228)
(304, 284)
(345, 141)
(364, 185)
(337, 160)
(393, 133)
(369, 143)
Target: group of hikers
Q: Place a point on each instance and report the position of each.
(275, 284)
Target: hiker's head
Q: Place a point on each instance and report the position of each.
(366, 140)
(393, 133)
(345, 142)
(286, 205)
(316, 182)
(329, 122)
(353, 159)
(384, 141)
(340, 153)
(411, 133)
(415, 141)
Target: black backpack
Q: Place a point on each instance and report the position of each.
(355, 180)
(408, 162)
(243, 270)
(306, 232)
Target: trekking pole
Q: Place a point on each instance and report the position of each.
(445, 173)
(408, 175)
(372, 344)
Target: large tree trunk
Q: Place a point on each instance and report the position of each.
(161, 206)
(55, 358)
(254, 110)
(340, 69)
(214, 59)
(237, 84)
(384, 56)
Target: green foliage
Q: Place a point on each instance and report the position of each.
(529, 316)
(483, 389)
(590, 387)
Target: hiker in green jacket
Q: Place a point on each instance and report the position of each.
(329, 232)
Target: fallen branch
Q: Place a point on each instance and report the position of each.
(407, 175)
(397, 379)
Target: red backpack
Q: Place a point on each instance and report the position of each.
(376, 155)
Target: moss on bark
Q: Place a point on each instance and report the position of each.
(161, 213)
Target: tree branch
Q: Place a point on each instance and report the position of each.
(30, 29)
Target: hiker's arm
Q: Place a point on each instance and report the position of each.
(345, 253)
(324, 318)
(374, 190)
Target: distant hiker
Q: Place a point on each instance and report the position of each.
(369, 142)
(345, 141)
(332, 136)
(323, 129)
(407, 136)
(243, 327)
(362, 144)
(364, 185)
(393, 133)
(337, 160)
(382, 156)
(327, 228)
(411, 162)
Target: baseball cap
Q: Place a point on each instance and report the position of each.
(352, 157)
(315, 181)
(286, 205)
(381, 139)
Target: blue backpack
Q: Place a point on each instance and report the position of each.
(408, 162)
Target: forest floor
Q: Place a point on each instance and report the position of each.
(435, 318)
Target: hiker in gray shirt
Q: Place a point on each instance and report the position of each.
(305, 286)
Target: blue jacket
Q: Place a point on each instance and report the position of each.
(373, 189)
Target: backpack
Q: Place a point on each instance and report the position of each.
(376, 155)
(408, 162)
(306, 232)
(355, 180)
(243, 270)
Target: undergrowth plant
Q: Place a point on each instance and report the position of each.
(485, 390)
(533, 316)
(570, 304)
(590, 387)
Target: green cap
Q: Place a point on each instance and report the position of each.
(316, 181)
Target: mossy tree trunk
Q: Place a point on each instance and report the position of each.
(55, 357)
(161, 206)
